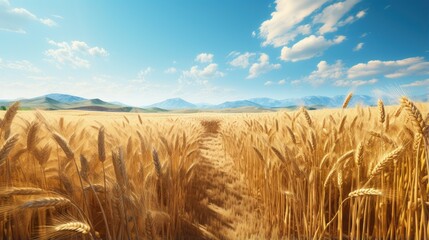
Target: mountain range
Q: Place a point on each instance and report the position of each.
(57, 101)
(269, 103)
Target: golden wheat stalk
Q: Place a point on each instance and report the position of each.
(347, 100)
(381, 112)
(101, 145)
(398, 111)
(359, 154)
(306, 116)
(156, 162)
(149, 227)
(414, 114)
(338, 164)
(84, 168)
(64, 145)
(292, 136)
(75, 226)
(365, 192)
(7, 147)
(12, 191)
(45, 202)
(119, 167)
(386, 161)
(32, 136)
(8, 116)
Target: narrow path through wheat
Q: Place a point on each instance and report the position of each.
(225, 210)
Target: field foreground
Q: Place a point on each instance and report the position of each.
(344, 173)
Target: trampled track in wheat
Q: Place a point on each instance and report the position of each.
(222, 205)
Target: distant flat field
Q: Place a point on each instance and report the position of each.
(115, 116)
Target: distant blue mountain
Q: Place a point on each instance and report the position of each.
(267, 102)
(173, 103)
(64, 98)
(237, 104)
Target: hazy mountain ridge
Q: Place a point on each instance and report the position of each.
(58, 101)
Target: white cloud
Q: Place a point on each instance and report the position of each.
(20, 65)
(142, 75)
(253, 34)
(283, 26)
(326, 72)
(262, 66)
(204, 58)
(308, 47)
(295, 82)
(48, 22)
(335, 74)
(14, 19)
(358, 47)
(195, 73)
(268, 83)
(330, 16)
(242, 60)
(417, 83)
(390, 69)
(361, 14)
(354, 83)
(73, 53)
(352, 19)
(170, 70)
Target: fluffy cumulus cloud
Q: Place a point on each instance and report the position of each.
(308, 47)
(241, 60)
(20, 65)
(326, 72)
(304, 24)
(291, 19)
(13, 19)
(390, 69)
(204, 58)
(262, 66)
(367, 73)
(197, 73)
(331, 15)
(417, 83)
(334, 74)
(74, 53)
(284, 25)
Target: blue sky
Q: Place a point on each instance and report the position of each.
(141, 52)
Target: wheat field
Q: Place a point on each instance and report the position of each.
(350, 173)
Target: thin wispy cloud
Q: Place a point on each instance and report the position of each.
(417, 83)
(358, 47)
(16, 19)
(19, 65)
